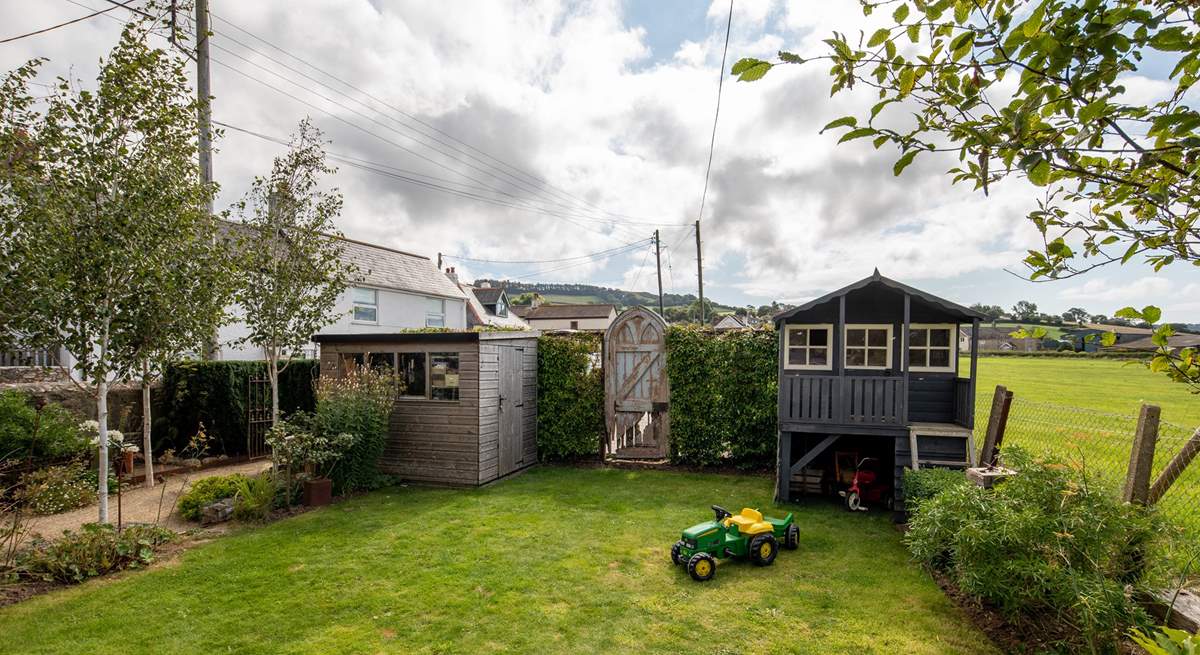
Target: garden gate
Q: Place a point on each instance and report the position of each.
(258, 416)
(637, 393)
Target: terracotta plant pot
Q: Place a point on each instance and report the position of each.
(127, 462)
(318, 492)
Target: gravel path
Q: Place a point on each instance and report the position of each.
(142, 505)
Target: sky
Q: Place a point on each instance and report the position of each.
(540, 131)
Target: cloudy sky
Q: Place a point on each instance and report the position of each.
(537, 130)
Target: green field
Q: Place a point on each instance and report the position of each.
(1052, 331)
(558, 560)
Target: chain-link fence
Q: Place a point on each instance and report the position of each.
(1100, 441)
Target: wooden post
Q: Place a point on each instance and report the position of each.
(1141, 457)
(904, 334)
(974, 370)
(1175, 468)
(997, 422)
(784, 481)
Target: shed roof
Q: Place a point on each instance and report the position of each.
(876, 278)
(570, 311)
(415, 336)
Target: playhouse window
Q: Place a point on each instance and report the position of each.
(931, 348)
(807, 347)
(868, 346)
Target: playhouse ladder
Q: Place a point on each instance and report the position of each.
(940, 430)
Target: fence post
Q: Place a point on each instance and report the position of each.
(1141, 457)
(997, 422)
(1175, 468)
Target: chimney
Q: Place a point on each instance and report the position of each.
(450, 273)
(485, 285)
(535, 301)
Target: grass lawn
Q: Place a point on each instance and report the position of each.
(558, 560)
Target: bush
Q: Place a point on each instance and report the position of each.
(1051, 544)
(206, 491)
(570, 416)
(215, 394)
(923, 484)
(255, 497)
(57, 430)
(57, 489)
(724, 395)
(95, 550)
(358, 404)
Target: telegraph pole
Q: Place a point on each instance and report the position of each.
(658, 260)
(204, 118)
(700, 272)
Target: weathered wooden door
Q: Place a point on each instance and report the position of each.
(512, 407)
(637, 393)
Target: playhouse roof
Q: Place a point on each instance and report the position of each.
(965, 313)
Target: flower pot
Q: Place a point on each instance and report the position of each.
(318, 492)
(127, 461)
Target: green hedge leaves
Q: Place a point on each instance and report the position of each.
(570, 397)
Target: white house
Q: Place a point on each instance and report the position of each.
(393, 291)
(591, 318)
(488, 306)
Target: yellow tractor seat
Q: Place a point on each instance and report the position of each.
(749, 522)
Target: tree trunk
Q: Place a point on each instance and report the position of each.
(147, 447)
(273, 376)
(102, 447)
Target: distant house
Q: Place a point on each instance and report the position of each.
(997, 339)
(590, 318)
(392, 291)
(1145, 344)
(1087, 337)
(729, 322)
(488, 306)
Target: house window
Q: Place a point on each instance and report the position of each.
(366, 305)
(411, 371)
(443, 376)
(931, 348)
(807, 347)
(574, 325)
(501, 307)
(869, 346)
(435, 312)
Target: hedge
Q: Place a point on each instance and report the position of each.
(723, 396)
(215, 393)
(570, 397)
(1062, 354)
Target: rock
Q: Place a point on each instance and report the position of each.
(191, 462)
(217, 512)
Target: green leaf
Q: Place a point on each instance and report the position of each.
(750, 69)
(962, 11)
(1108, 338)
(908, 78)
(1033, 24)
(856, 134)
(844, 121)
(1040, 173)
(1151, 314)
(790, 58)
(879, 37)
(901, 13)
(903, 162)
(1128, 312)
(914, 32)
(1092, 110)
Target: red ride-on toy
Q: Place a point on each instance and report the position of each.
(866, 487)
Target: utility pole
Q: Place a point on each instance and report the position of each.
(204, 116)
(658, 260)
(700, 272)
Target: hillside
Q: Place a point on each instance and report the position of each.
(588, 293)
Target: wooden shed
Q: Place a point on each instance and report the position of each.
(467, 410)
(873, 369)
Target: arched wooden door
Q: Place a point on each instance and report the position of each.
(637, 393)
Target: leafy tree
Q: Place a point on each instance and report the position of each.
(1025, 310)
(294, 269)
(1076, 315)
(101, 197)
(992, 312)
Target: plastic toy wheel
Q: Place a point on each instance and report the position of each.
(702, 567)
(676, 556)
(791, 538)
(853, 501)
(763, 549)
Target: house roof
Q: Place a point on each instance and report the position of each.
(488, 295)
(1118, 329)
(520, 310)
(1145, 343)
(485, 317)
(876, 278)
(570, 311)
(731, 321)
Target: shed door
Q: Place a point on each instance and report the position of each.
(512, 404)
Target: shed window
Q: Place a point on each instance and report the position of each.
(382, 363)
(412, 374)
(931, 348)
(807, 347)
(350, 362)
(435, 313)
(366, 305)
(443, 376)
(868, 346)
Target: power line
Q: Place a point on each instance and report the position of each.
(70, 22)
(712, 143)
(542, 261)
(574, 265)
(641, 267)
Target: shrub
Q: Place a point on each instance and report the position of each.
(923, 484)
(57, 489)
(57, 430)
(255, 497)
(570, 416)
(206, 491)
(358, 404)
(1052, 544)
(95, 550)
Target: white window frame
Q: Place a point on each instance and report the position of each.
(787, 346)
(440, 317)
(866, 340)
(953, 367)
(355, 304)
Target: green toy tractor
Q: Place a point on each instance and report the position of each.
(746, 534)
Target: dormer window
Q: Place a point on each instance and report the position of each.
(501, 307)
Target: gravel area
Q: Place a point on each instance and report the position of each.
(142, 505)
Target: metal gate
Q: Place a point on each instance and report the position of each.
(637, 393)
(258, 416)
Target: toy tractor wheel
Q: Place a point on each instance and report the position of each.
(763, 549)
(791, 539)
(702, 567)
(853, 501)
(676, 555)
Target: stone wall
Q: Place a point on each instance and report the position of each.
(124, 400)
